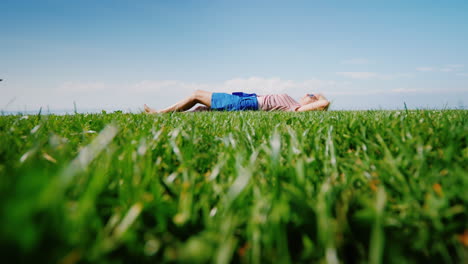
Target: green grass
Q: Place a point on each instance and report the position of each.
(248, 187)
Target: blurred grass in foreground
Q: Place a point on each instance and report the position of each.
(249, 187)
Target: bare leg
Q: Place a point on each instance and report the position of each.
(199, 96)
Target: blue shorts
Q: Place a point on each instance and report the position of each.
(233, 102)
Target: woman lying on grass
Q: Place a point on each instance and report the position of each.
(242, 101)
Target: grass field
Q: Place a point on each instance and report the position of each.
(246, 187)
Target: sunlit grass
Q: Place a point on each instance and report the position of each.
(360, 186)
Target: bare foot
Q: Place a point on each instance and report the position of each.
(149, 110)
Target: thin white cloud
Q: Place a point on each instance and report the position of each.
(276, 85)
(358, 75)
(372, 75)
(82, 86)
(258, 85)
(164, 85)
(456, 66)
(356, 61)
(446, 68)
(262, 85)
(425, 69)
(396, 91)
(428, 91)
(462, 74)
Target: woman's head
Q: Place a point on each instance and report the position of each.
(309, 98)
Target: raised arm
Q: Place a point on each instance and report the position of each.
(321, 104)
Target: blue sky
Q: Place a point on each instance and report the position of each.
(120, 54)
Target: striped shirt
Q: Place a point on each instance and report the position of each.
(277, 102)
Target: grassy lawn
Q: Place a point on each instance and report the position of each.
(245, 187)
